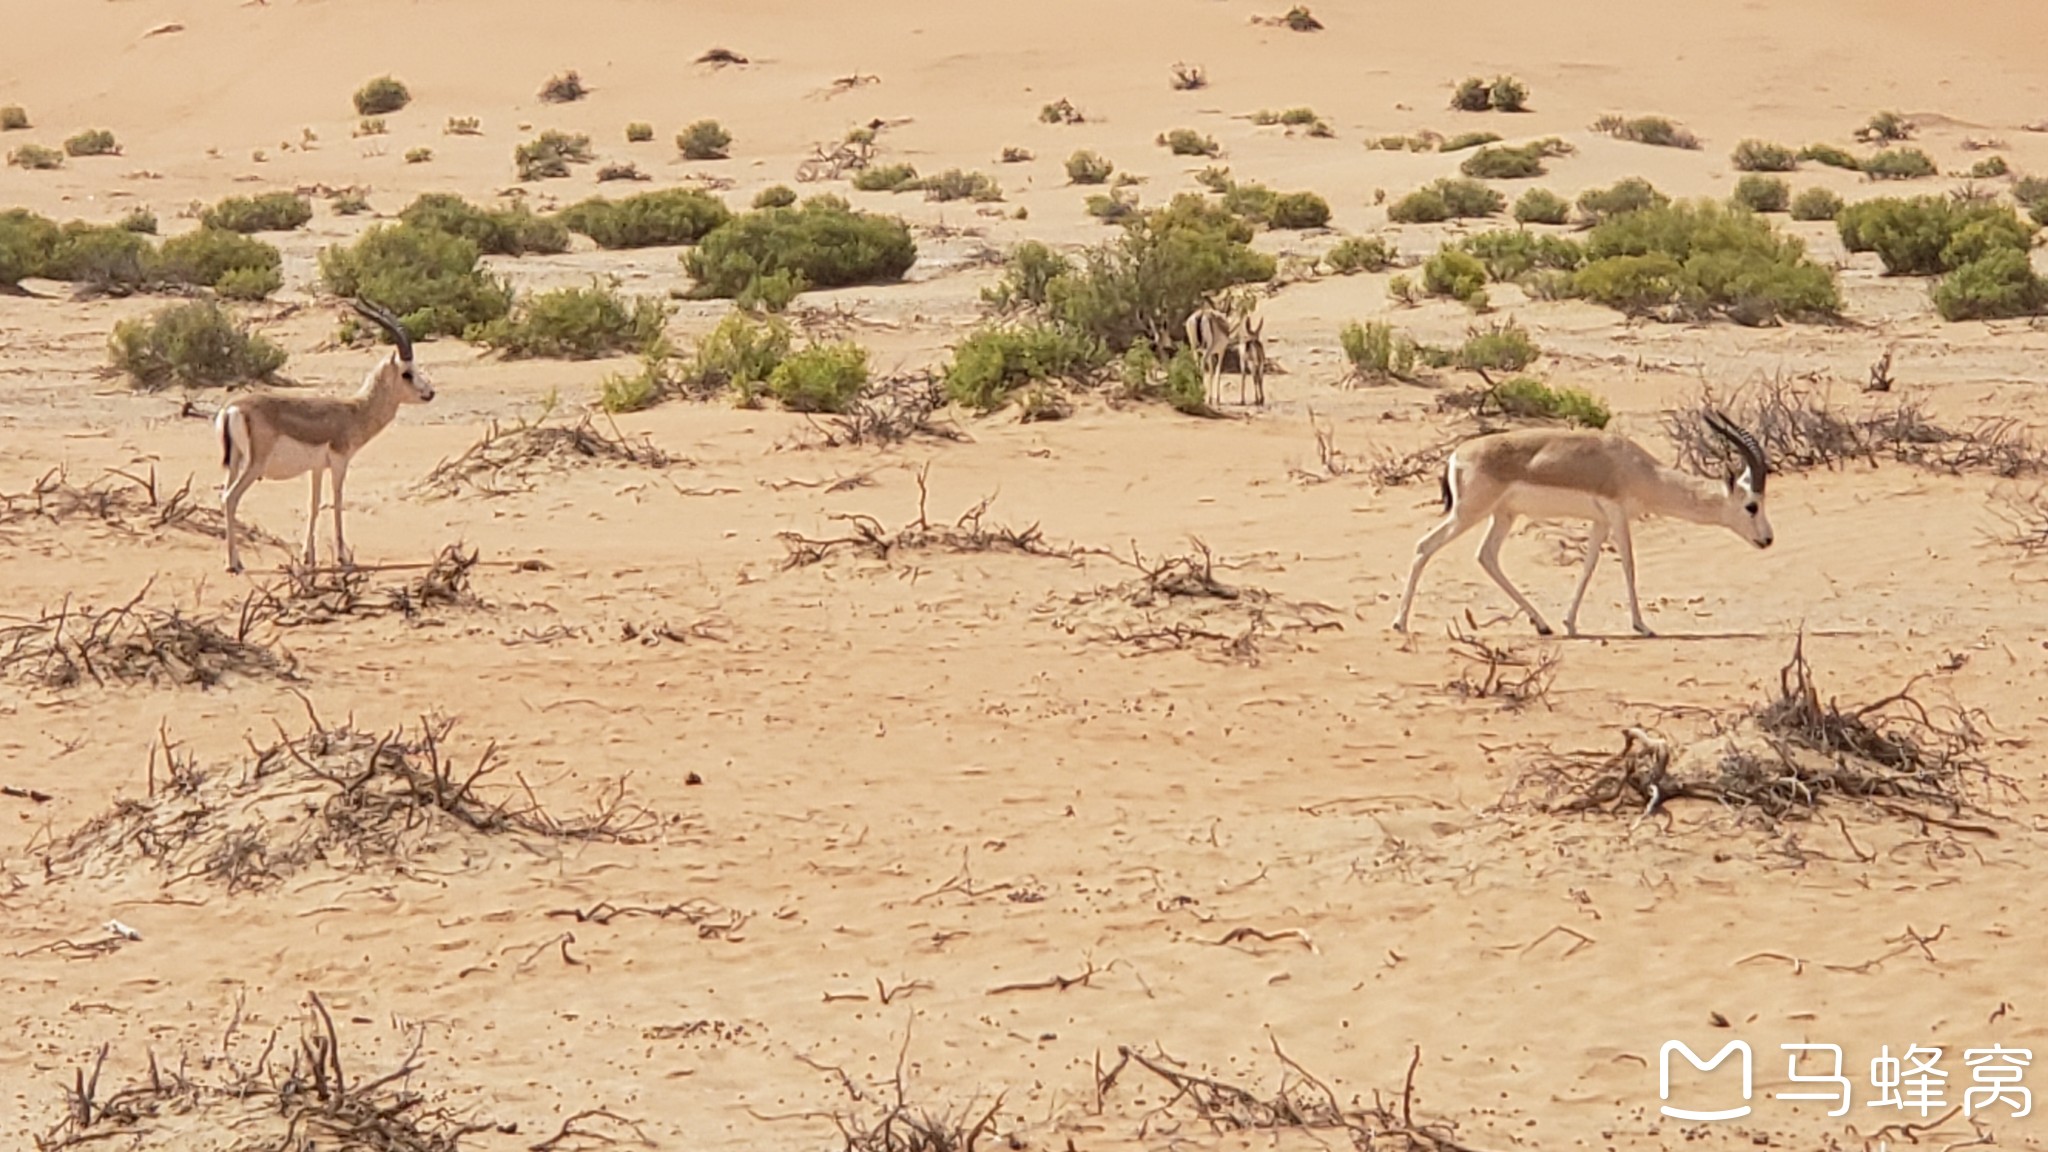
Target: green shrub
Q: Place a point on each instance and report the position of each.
(1471, 95)
(954, 184)
(1831, 156)
(1458, 275)
(1504, 347)
(429, 279)
(1541, 206)
(1112, 207)
(576, 324)
(1425, 205)
(2030, 190)
(621, 392)
(381, 95)
(372, 126)
(1298, 19)
(1999, 284)
(1815, 204)
(195, 344)
(821, 241)
(820, 378)
(512, 231)
(1188, 142)
(26, 243)
(101, 257)
(1525, 398)
(1444, 200)
(1632, 194)
(1763, 193)
(35, 157)
(1885, 126)
(650, 219)
(1143, 285)
(1464, 140)
(212, 256)
(1359, 254)
(268, 212)
(639, 132)
(138, 220)
(1298, 210)
(462, 126)
(1702, 259)
(1426, 142)
(1376, 352)
(248, 283)
(1990, 168)
(704, 140)
(548, 155)
(1085, 167)
(1028, 273)
(1508, 94)
(993, 362)
(563, 89)
(418, 155)
(349, 204)
(773, 292)
(741, 353)
(886, 178)
(93, 142)
(1759, 156)
(1508, 254)
(1061, 111)
(1657, 130)
(1185, 389)
(775, 196)
(1928, 235)
(1899, 164)
(1502, 163)
(13, 118)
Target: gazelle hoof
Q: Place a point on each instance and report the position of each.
(1543, 629)
(234, 568)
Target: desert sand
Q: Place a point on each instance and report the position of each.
(885, 793)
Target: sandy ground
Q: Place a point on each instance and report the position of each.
(927, 779)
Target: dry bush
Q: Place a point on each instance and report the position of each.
(1176, 603)
(2025, 517)
(866, 535)
(504, 460)
(1512, 677)
(892, 411)
(324, 595)
(132, 504)
(1188, 77)
(133, 643)
(563, 89)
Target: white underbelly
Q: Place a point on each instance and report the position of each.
(1551, 504)
(289, 458)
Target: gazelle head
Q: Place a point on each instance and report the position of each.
(397, 373)
(1744, 512)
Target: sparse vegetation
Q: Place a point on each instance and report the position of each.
(1815, 204)
(1929, 235)
(548, 155)
(822, 244)
(1188, 142)
(1013, 154)
(13, 118)
(100, 258)
(704, 140)
(639, 132)
(382, 95)
(1541, 206)
(430, 279)
(1465, 140)
(576, 324)
(1113, 206)
(1632, 194)
(1504, 94)
(1701, 259)
(886, 178)
(1376, 352)
(265, 212)
(1359, 254)
(1500, 162)
(1899, 164)
(1509, 254)
(1763, 193)
(650, 219)
(993, 362)
(1085, 167)
(1990, 168)
(93, 142)
(349, 203)
(563, 89)
(35, 157)
(1456, 274)
(418, 155)
(1505, 347)
(1760, 156)
(1657, 130)
(1885, 127)
(1446, 199)
(775, 196)
(192, 344)
(462, 126)
(138, 220)
(229, 262)
(26, 243)
(1998, 285)
(741, 353)
(1831, 156)
(1061, 111)
(1299, 19)
(1423, 142)
(954, 184)
(512, 231)
(820, 378)
(1527, 398)
(1292, 118)
(371, 126)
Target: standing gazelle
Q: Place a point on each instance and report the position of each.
(1553, 473)
(1212, 333)
(270, 436)
(1251, 358)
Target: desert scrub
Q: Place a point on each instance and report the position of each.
(35, 157)
(1541, 206)
(954, 184)
(639, 132)
(1657, 130)
(740, 354)
(26, 243)
(1632, 194)
(1166, 262)
(576, 324)
(1885, 127)
(349, 203)
(195, 344)
(1446, 199)
(1525, 398)
(1112, 207)
(418, 155)
(1761, 156)
(1503, 94)
(462, 126)
(993, 362)
(513, 231)
(548, 155)
(650, 219)
(1425, 142)
(820, 378)
(101, 258)
(1376, 352)
(1458, 275)
(431, 280)
(563, 89)
(1466, 140)
(13, 118)
(1701, 259)
(1831, 156)
(1990, 168)
(228, 262)
(1188, 142)
(1296, 211)
(1899, 164)
(820, 244)
(384, 94)
(704, 140)
(886, 178)
(1292, 118)
(1502, 162)
(1359, 254)
(371, 126)
(1299, 19)
(93, 142)
(267, 212)
(1929, 235)
(1061, 111)
(1508, 254)
(1763, 193)
(1085, 167)
(1998, 285)
(138, 220)
(775, 196)
(632, 392)
(1504, 347)
(1815, 204)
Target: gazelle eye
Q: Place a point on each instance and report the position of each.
(1750, 507)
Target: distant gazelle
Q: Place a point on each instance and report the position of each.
(1555, 473)
(1251, 357)
(1212, 333)
(271, 436)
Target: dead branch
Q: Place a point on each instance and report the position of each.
(866, 536)
(324, 595)
(121, 500)
(1177, 602)
(504, 461)
(134, 643)
(1508, 675)
(713, 921)
(1054, 983)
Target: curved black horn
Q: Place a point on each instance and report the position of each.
(385, 320)
(1752, 452)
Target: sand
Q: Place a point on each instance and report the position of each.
(887, 789)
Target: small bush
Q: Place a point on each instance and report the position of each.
(1998, 285)
(26, 244)
(741, 353)
(35, 157)
(1657, 130)
(13, 118)
(382, 95)
(213, 257)
(1885, 127)
(563, 89)
(1703, 259)
(704, 140)
(1376, 352)
(1507, 94)
(1899, 164)
(1815, 204)
(1471, 95)
(101, 258)
(1185, 389)
(1525, 398)
(1633, 194)
(1831, 156)
(548, 155)
(2030, 190)
(1508, 254)
(1298, 19)
(429, 279)
(1928, 235)
(1359, 254)
(620, 392)
(1299, 210)
(1503, 347)
(1061, 112)
(639, 132)
(349, 203)
(775, 196)
(268, 212)
(93, 142)
(1085, 167)
(993, 362)
(1990, 168)
(1503, 163)
(1111, 207)
(1763, 193)
(576, 324)
(371, 126)
(138, 220)
(1446, 199)
(954, 184)
(650, 219)
(1759, 156)
(821, 378)
(1188, 142)
(1466, 140)
(462, 126)
(496, 232)
(822, 241)
(195, 344)
(1458, 275)
(886, 178)
(1541, 206)
(1426, 142)
(418, 155)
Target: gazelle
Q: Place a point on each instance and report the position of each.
(1603, 477)
(1211, 331)
(270, 436)
(1251, 357)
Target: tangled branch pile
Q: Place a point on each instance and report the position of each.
(322, 596)
(133, 504)
(133, 644)
(1176, 603)
(1511, 676)
(336, 796)
(505, 459)
(867, 537)
(893, 411)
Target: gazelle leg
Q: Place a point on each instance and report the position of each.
(230, 500)
(1625, 546)
(312, 553)
(1593, 543)
(1448, 529)
(342, 557)
(1489, 559)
